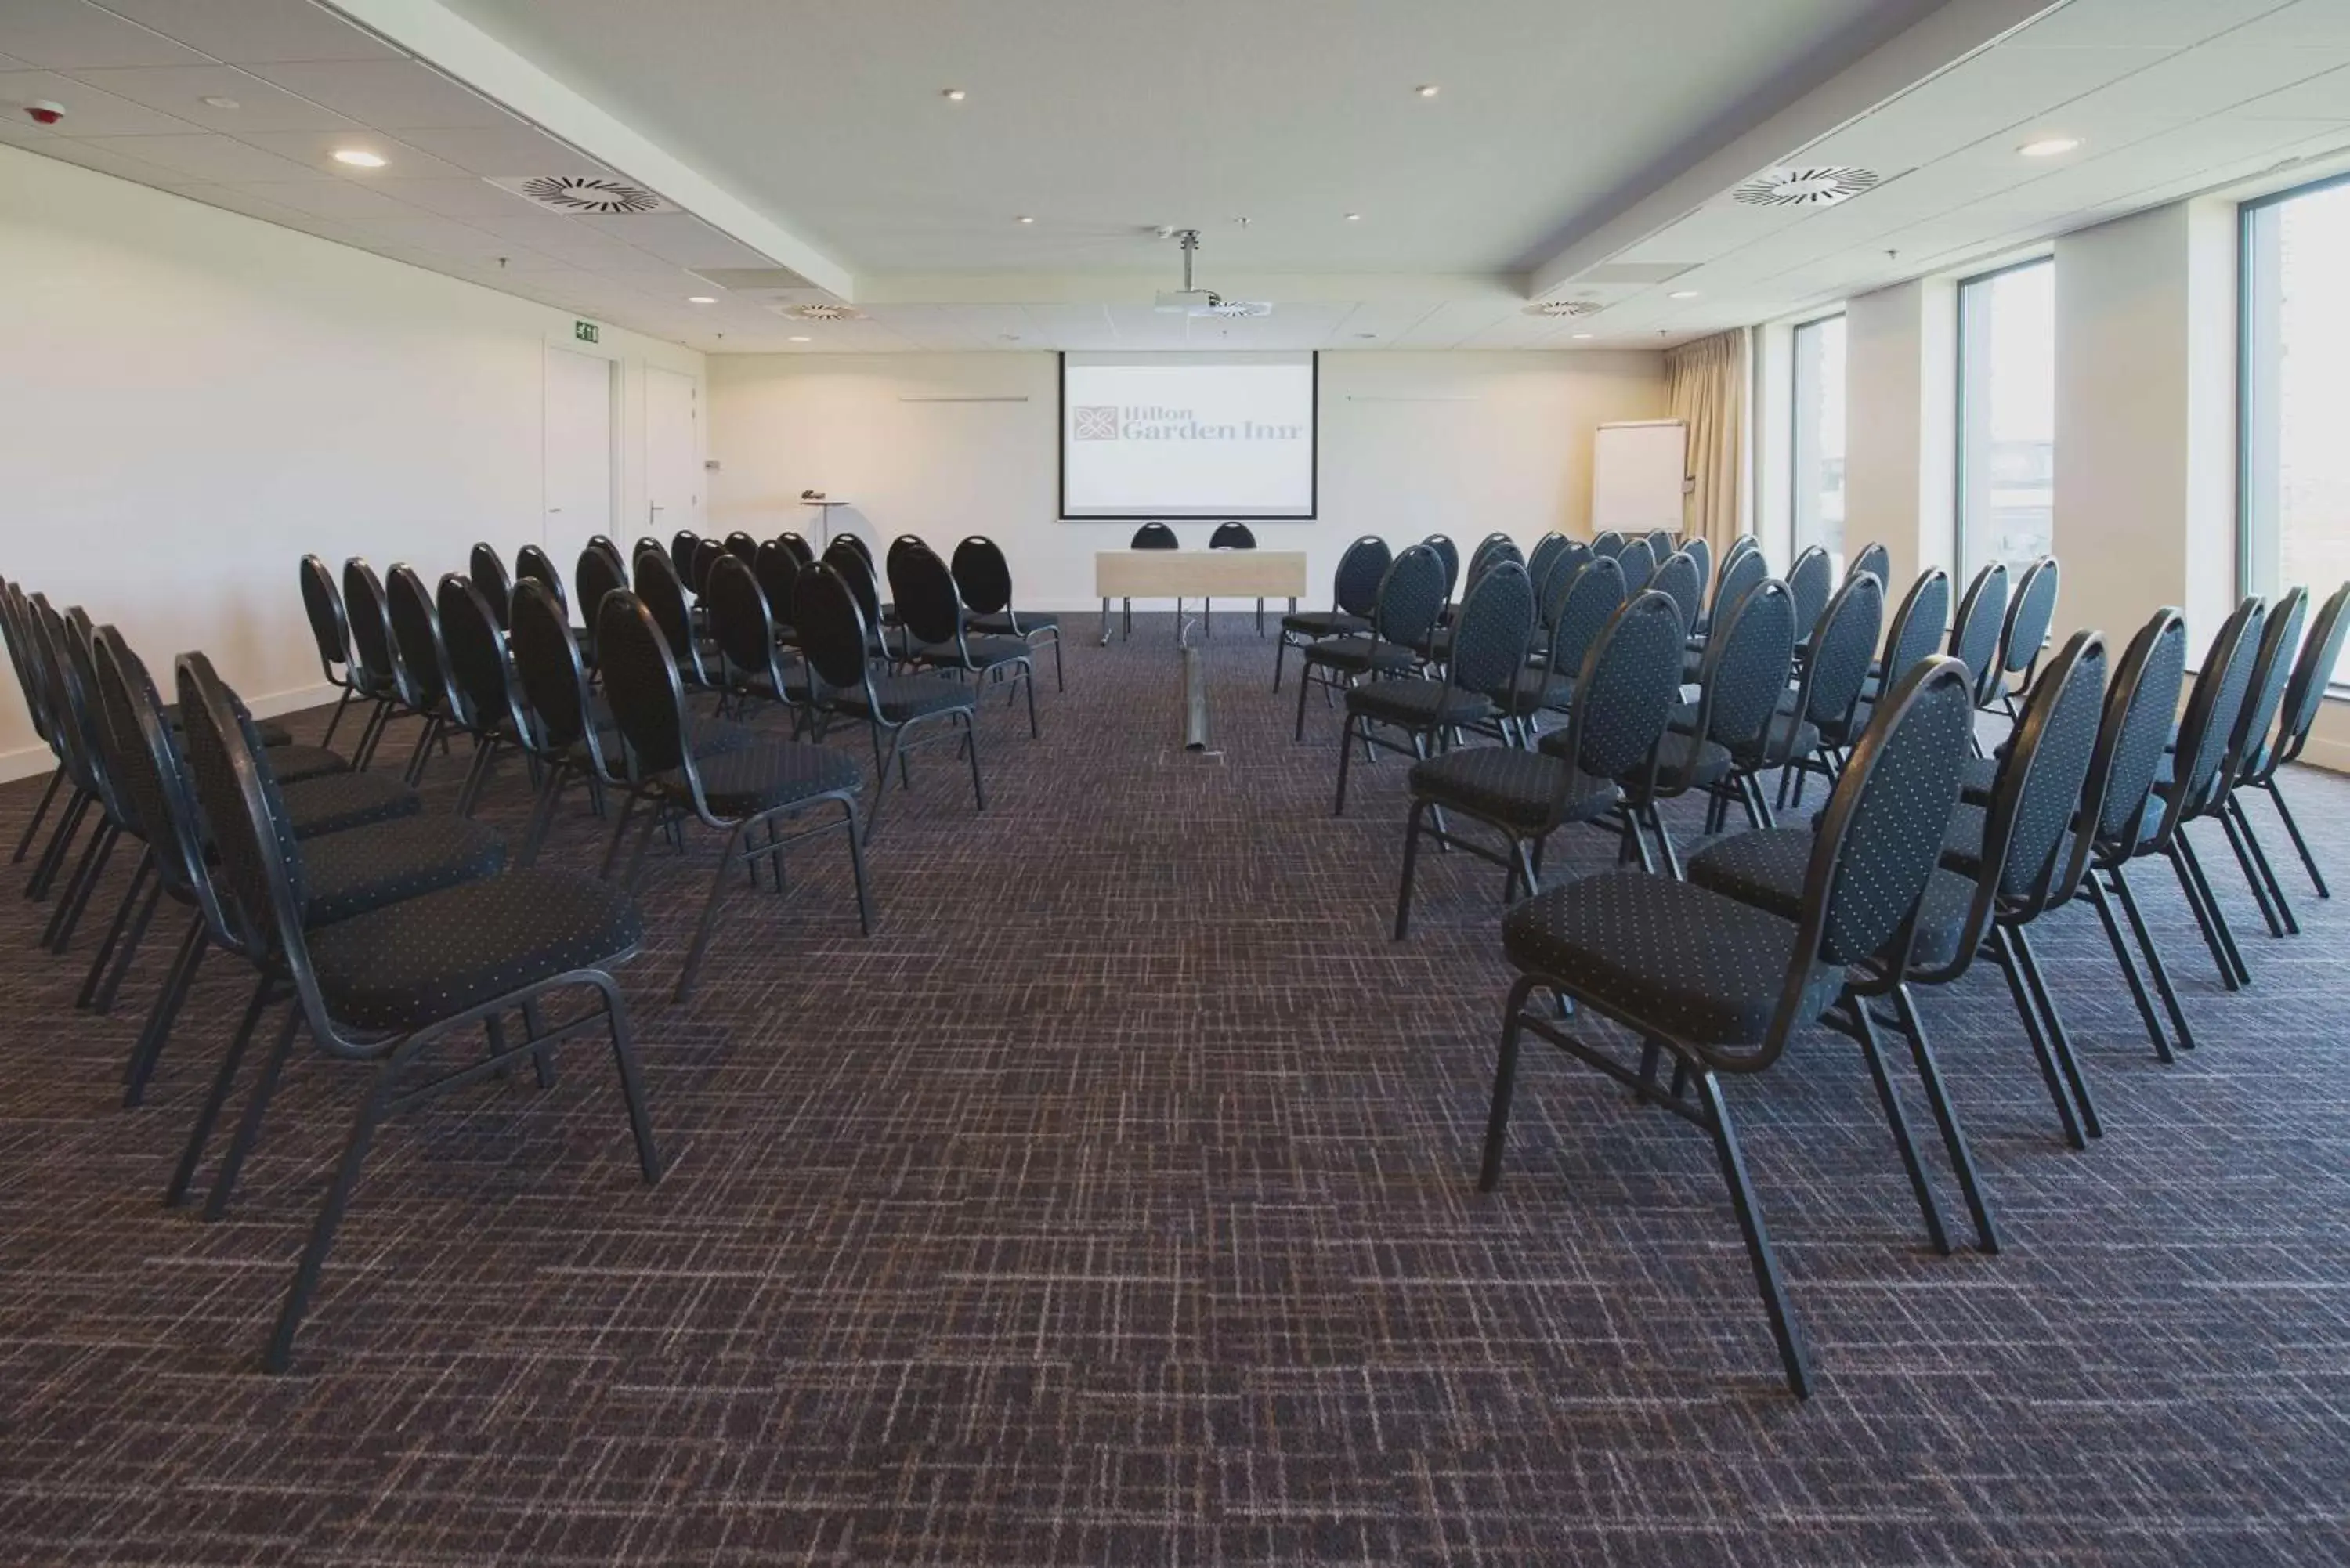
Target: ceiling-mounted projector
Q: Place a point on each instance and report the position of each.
(1190, 301)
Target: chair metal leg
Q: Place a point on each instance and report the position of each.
(856, 867)
(1028, 683)
(336, 718)
(223, 1080)
(140, 1066)
(1757, 1238)
(2104, 907)
(248, 1125)
(45, 869)
(2252, 877)
(2259, 853)
(1936, 1235)
(632, 1083)
(119, 926)
(1954, 1141)
(2028, 1014)
(2059, 1046)
(2293, 830)
(57, 777)
(1505, 1077)
(1410, 860)
(2207, 919)
(1346, 756)
(726, 858)
(1304, 680)
(86, 876)
(971, 751)
(2154, 967)
(280, 1354)
(542, 814)
(1280, 649)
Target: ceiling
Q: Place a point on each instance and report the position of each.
(1575, 150)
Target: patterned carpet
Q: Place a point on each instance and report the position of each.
(1113, 1205)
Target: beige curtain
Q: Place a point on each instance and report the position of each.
(1705, 384)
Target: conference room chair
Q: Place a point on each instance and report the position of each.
(897, 551)
(1742, 571)
(1354, 598)
(664, 594)
(378, 988)
(1722, 744)
(1640, 564)
(1550, 583)
(837, 644)
(31, 683)
(1538, 561)
(610, 547)
(2030, 610)
(853, 562)
(488, 570)
(1150, 536)
(1975, 629)
(1916, 629)
(1875, 559)
(1698, 550)
(562, 730)
(79, 738)
(1624, 688)
(938, 634)
(356, 863)
(1581, 609)
(1834, 665)
(1663, 542)
(747, 659)
(335, 618)
(1721, 986)
(742, 546)
(1491, 551)
(1812, 579)
(707, 554)
(682, 546)
(799, 546)
(2304, 695)
(598, 572)
(2263, 695)
(1607, 542)
(1680, 580)
(644, 542)
(484, 690)
(535, 564)
(1231, 536)
(1448, 555)
(983, 577)
(1411, 597)
(420, 663)
(777, 569)
(1490, 648)
(751, 793)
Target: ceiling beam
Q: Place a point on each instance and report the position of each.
(443, 39)
(1951, 34)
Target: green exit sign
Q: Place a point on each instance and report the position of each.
(586, 332)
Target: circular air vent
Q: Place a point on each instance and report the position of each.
(590, 193)
(821, 312)
(1820, 186)
(1559, 308)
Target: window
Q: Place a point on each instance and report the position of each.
(2295, 506)
(2007, 415)
(1817, 433)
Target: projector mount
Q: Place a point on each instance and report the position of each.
(1193, 301)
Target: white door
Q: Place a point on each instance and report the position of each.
(578, 454)
(672, 453)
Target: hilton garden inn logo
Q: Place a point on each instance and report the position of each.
(1148, 421)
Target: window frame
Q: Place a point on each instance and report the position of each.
(2251, 312)
(1959, 552)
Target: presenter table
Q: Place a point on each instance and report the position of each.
(1179, 575)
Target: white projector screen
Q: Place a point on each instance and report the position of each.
(1188, 435)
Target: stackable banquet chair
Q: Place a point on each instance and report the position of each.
(1488, 649)
(2304, 693)
(983, 577)
(938, 634)
(1354, 598)
(2030, 612)
(1411, 597)
(488, 569)
(1720, 985)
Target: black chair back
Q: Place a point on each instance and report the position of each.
(1538, 564)
(2139, 713)
(329, 627)
(598, 573)
(1448, 555)
(1698, 550)
(1153, 536)
(1231, 537)
(153, 786)
(856, 542)
(897, 548)
(983, 575)
(798, 547)
(1810, 579)
(554, 684)
(257, 871)
(415, 633)
(1843, 647)
(742, 546)
(2200, 756)
(480, 670)
(2280, 638)
(664, 596)
(1586, 606)
(680, 553)
(833, 632)
(777, 569)
(640, 683)
(488, 570)
(707, 553)
(1625, 691)
(535, 564)
(1360, 571)
(923, 591)
(2304, 694)
(2029, 615)
(1974, 634)
(1411, 598)
(1679, 580)
(375, 669)
(1918, 624)
(32, 680)
(846, 557)
(1747, 660)
(1551, 584)
(1488, 639)
(742, 621)
(1742, 572)
(2038, 792)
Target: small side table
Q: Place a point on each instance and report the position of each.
(823, 520)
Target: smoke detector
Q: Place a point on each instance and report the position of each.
(1563, 307)
(1821, 185)
(595, 194)
(821, 311)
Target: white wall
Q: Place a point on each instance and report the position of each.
(1411, 444)
(194, 399)
(1900, 396)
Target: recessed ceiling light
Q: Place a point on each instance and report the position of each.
(1354, 217)
(700, 300)
(1026, 219)
(218, 102)
(953, 95)
(796, 338)
(358, 157)
(2049, 146)
(1426, 89)
(1367, 337)
(1581, 337)
(1682, 293)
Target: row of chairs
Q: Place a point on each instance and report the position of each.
(1769, 930)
